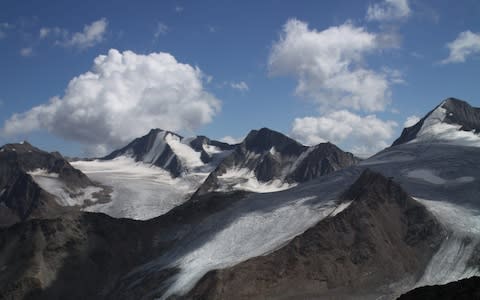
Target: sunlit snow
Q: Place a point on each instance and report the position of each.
(435, 129)
(450, 262)
(245, 179)
(140, 191)
(65, 196)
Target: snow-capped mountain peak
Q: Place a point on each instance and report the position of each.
(453, 121)
(172, 152)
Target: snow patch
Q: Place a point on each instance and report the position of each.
(431, 177)
(250, 235)
(189, 157)
(245, 179)
(435, 129)
(341, 207)
(140, 191)
(211, 150)
(450, 263)
(43, 173)
(63, 195)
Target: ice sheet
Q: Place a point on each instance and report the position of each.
(251, 235)
(140, 191)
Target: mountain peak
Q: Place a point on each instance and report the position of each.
(453, 121)
(264, 139)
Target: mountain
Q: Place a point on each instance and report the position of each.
(452, 121)
(162, 170)
(404, 218)
(35, 183)
(267, 161)
(465, 289)
(172, 152)
(346, 255)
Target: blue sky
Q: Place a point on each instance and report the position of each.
(351, 72)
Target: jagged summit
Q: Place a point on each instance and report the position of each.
(268, 161)
(172, 152)
(264, 139)
(453, 121)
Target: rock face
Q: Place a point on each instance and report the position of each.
(382, 237)
(164, 149)
(466, 289)
(80, 255)
(453, 112)
(77, 256)
(266, 155)
(20, 196)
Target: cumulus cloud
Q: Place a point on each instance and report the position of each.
(329, 66)
(241, 86)
(411, 120)
(388, 10)
(123, 96)
(25, 52)
(465, 45)
(363, 135)
(91, 35)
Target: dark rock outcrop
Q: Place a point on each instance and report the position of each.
(76, 256)
(384, 236)
(271, 155)
(21, 197)
(465, 289)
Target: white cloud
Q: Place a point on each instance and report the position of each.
(388, 10)
(411, 120)
(4, 27)
(466, 44)
(44, 32)
(56, 32)
(25, 52)
(361, 135)
(329, 66)
(162, 29)
(91, 35)
(231, 140)
(123, 96)
(178, 8)
(241, 86)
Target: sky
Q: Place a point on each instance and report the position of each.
(87, 77)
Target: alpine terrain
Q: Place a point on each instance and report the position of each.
(168, 217)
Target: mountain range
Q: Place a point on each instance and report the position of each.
(168, 217)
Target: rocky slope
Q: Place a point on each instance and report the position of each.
(384, 236)
(21, 197)
(268, 158)
(80, 255)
